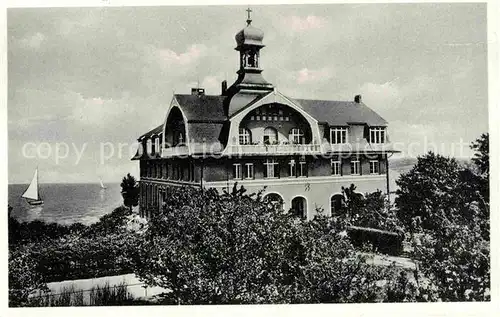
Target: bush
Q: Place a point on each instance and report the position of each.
(84, 257)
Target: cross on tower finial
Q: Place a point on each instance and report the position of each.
(249, 19)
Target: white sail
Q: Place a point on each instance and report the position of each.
(102, 185)
(32, 191)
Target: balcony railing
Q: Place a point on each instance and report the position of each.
(273, 149)
(175, 151)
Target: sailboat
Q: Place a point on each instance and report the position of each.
(32, 194)
(102, 185)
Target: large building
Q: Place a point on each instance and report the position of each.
(302, 151)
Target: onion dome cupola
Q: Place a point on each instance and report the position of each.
(249, 43)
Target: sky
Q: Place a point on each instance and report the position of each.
(84, 83)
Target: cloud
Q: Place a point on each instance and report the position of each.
(386, 95)
(306, 76)
(170, 58)
(34, 41)
(310, 22)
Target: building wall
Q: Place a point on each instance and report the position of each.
(317, 188)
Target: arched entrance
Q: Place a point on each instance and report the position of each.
(299, 207)
(275, 199)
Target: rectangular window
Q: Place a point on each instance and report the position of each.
(377, 135)
(302, 171)
(338, 135)
(157, 145)
(271, 169)
(336, 167)
(249, 171)
(374, 167)
(293, 169)
(355, 170)
(237, 171)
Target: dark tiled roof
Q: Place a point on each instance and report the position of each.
(202, 107)
(203, 132)
(341, 112)
(156, 130)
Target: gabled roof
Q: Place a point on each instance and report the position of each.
(157, 130)
(204, 108)
(341, 112)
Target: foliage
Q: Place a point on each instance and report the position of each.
(435, 183)
(24, 279)
(77, 258)
(39, 231)
(482, 156)
(455, 260)
(130, 191)
(42, 252)
(114, 222)
(370, 211)
(446, 204)
(236, 248)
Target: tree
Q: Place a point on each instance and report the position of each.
(481, 160)
(211, 248)
(446, 204)
(431, 185)
(370, 211)
(130, 191)
(482, 156)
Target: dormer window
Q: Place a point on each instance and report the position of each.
(296, 136)
(245, 136)
(377, 135)
(338, 135)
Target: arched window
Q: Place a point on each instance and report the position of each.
(270, 136)
(245, 136)
(296, 136)
(299, 207)
(336, 204)
(275, 199)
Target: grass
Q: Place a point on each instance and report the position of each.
(97, 296)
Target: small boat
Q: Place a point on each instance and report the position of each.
(102, 185)
(32, 193)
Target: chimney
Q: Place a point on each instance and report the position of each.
(198, 91)
(357, 99)
(224, 87)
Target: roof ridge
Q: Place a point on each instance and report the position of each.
(324, 100)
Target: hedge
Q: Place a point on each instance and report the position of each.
(382, 241)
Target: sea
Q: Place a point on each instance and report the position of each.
(66, 203)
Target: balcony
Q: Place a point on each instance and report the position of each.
(359, 147)
(278, 149)
(175, 151)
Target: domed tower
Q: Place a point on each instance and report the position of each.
(249, 44)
